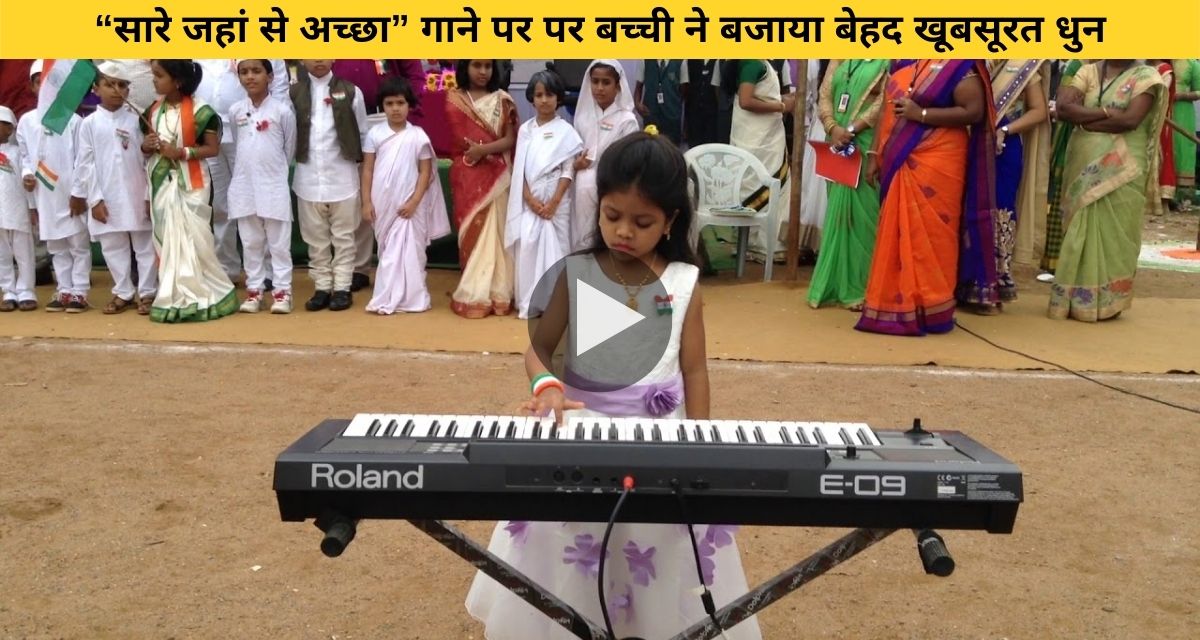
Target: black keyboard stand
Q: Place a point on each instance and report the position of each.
(728, 616)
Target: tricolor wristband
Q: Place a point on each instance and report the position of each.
(544, 381)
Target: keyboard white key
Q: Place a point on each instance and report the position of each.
(402, 420)
(359, 425)
(728, 431)
(668, 430)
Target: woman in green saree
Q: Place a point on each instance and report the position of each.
(849, 100)
(181, 132)
(1187, 91)
(1110, 181)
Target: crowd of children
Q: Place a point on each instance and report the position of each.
(167, 191)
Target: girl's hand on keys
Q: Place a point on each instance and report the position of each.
(553, 401)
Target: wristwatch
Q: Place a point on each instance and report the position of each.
(850, 130)
(1004, 129)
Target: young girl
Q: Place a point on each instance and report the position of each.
(539, 208)
(402, 197)
(604, 115)
(483, 125)
(259, 197)
(644, 219)
(192, 285)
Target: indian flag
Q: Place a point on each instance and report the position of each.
(64, 84)
(47, 176)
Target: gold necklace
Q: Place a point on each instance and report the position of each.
(631, 296)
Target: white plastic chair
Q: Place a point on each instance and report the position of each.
(717, 173)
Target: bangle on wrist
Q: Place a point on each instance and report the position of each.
(924, 112)
(1106, 113)
(544, 381)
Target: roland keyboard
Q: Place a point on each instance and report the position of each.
(453, 467)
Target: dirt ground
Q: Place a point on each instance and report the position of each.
(136, 502)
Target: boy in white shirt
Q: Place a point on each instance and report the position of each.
(49, 173)
(111, 176)
(16, 230)
(264, 133)
(331, 121)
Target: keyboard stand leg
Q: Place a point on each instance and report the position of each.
(515, 581)
(790, 580)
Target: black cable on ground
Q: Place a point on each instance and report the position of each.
(1135, 394)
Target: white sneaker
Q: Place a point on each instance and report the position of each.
(252, 303)
(1045, 277)
(282, 301)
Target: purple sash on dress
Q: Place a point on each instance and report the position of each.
(656, 399)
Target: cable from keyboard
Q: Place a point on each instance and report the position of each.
(626, 487)
(706, 597)
(1076, 373)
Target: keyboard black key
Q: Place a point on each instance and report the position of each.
(536, 432)
(511, 431)
(683, 436)
(390, 430)
(758, 435)
(699, 433)
(596, 431)
(655, 433)
(450, 432)
(863, 438)
(820, 436)
(612, 432)
(637, 432)
(374, 428)
(494, 432)
(579, 432)
(477, 431)
(845, 436)
(800, 437)
(783, 435)
(713, 434)
(741, 434)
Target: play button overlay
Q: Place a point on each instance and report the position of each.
(618, 321)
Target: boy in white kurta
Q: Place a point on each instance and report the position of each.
(16, 230)
(402, 198)
(111, 176)
(539, 203)
(50, 166)
(259, 199)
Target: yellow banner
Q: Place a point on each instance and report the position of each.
(612, 28)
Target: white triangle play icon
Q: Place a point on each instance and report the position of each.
(598, 317)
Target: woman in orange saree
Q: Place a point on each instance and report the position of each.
(937, 190)
(483, 125)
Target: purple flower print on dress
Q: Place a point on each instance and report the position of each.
(585, 555)
(641, 563)
(622, 601)
(661, 399)
(708, 565)
(518, 530)
(720, 535)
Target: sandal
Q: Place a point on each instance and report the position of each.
(143, 305)
(117, 305)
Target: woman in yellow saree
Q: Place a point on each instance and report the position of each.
(1110, 180)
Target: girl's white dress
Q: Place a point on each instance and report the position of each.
(652, 588)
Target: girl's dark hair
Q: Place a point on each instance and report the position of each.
(552, 82)
(265, 63)
(187, 72)
(654, 166)
(393, 87)
(462, 74)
